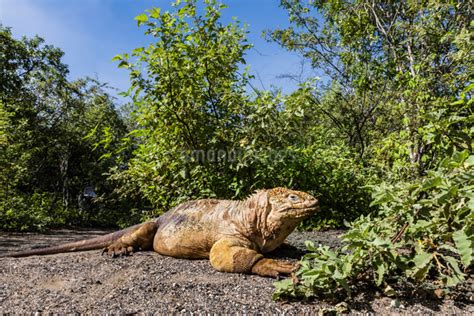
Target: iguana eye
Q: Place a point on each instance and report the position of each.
(293, 198)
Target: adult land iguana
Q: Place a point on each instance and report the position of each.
(232, 234)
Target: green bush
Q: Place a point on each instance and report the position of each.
(26, 212)
(424, 230)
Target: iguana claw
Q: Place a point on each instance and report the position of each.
(272, 268)
(297, 266)
(118, 250)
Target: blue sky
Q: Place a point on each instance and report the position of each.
(91, 32)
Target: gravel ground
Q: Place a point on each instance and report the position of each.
(86, 282)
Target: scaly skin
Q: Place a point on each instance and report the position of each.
(234, 235)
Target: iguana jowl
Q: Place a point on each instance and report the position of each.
(232, 234)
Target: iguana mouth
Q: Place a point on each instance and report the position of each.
(314, 206)
(305, 212)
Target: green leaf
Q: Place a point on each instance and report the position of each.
(451, 281)
(431, 183)
(342, 281)
(283, 284)
(155, 13)
(123, 64)
(382, 197)
(310, 245)
(457, 276)
(469, 161)
(465, 246)
(282, 287)
(379, 272)
(422, 265)
(449, 248)
(460, 156)
(380, 242)
(389, 291)
(142, 18)
(138, 50)
(454, 265)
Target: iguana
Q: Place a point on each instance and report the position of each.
(232, 234)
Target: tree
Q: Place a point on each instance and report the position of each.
(44, 160)
(385, 65)
(200, 134)
(189, 102)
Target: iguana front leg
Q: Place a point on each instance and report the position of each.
(235, 255)
(140, 238)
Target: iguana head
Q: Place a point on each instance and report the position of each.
(274, 213)
(291, 204)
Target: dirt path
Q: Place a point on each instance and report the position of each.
(147, 282)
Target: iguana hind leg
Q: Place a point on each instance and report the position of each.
(235, 255)
(140, 238)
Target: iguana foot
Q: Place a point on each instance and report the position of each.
(118, 249)
(141, 238)
(273, 268)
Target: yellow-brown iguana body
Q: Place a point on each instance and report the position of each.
(232, 234)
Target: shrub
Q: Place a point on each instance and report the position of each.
(424, 230)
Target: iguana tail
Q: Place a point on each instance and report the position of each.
(82, 245)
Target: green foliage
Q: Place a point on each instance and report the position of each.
(46, 163)
(24, 212)
(4, 123)
(188, 99)
(200, 134)
(451, 127)
(388, 69)
(393, 71)
(423, 230)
